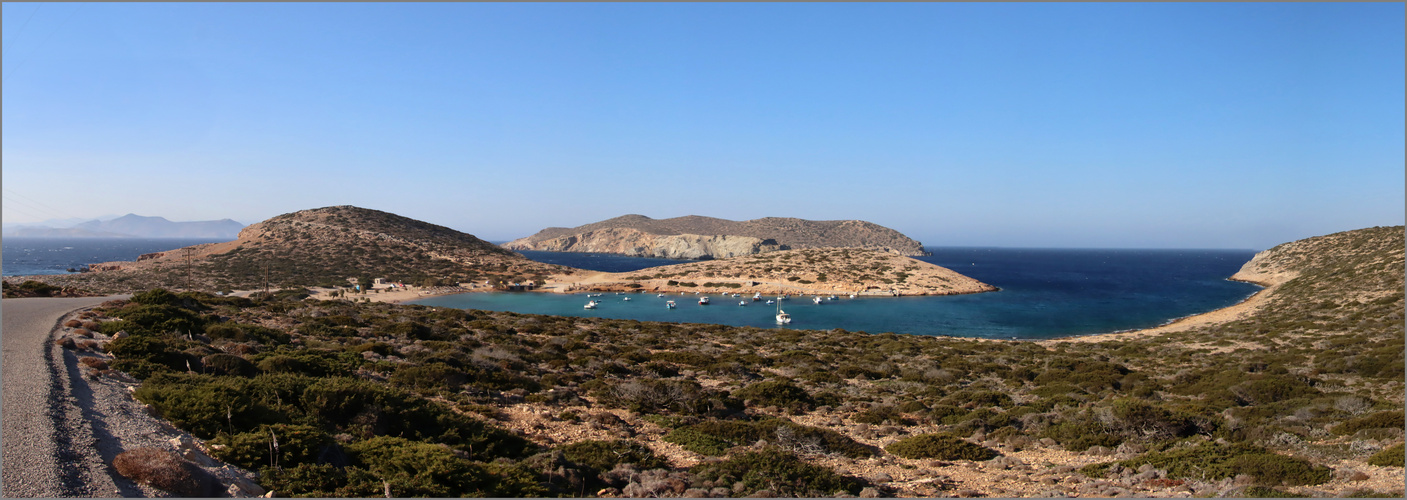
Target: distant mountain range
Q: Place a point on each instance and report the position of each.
(135, 226)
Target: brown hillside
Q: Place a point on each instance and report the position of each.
(789, 233)
(326, 246)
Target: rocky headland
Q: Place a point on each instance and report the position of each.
(698, 237)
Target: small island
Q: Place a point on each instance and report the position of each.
(809, 271)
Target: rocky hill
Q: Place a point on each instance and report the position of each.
(696, 237)
(326, 246)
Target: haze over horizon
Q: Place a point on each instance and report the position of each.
(1017, 125)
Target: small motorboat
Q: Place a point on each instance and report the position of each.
(816, 299)
(757, 297)
(627, 299)
(770, 302)
(742, 302)
(703, 301)
(591, 305)
(669, 304)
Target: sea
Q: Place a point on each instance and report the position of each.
(1044, 293)
(29, 256)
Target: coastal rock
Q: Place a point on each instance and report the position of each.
(636, 243)
(697, 237)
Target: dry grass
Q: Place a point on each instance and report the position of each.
(163, 469)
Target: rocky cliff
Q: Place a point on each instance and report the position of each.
(697, 237)
(636, 243)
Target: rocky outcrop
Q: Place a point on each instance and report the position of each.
(637, 243)
(697, 237)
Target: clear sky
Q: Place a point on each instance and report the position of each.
(1190, 125)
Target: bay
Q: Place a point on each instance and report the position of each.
(1045, 293)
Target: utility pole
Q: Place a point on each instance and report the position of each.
(188, 269)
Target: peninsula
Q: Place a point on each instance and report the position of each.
(698, 237)
(809, 271)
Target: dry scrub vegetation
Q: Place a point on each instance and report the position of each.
(1304, 398)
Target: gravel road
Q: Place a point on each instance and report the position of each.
(64, 424)
(46, 444)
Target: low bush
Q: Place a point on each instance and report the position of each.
(605, 455)
(777, 393)
(1384, 419)
(941, 447)
(1211, 461)
(228, 364)
(715, 437)
(296, 444)
(772, 472)
(1388, 457)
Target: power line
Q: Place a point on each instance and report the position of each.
(37, 205)
(26, 23)
(41, 44)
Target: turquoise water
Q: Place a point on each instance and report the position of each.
(1045, 293)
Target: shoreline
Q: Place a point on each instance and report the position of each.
(1246, 308)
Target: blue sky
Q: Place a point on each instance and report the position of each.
(1138, 125)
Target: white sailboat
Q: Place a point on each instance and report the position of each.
(782, 317)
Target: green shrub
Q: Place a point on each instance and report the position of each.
(321, 481)
(941, 447)
(1211, 461)
(714, 437)
(430, 376)
(1388, 457)
(139, 368)
(1272, 388)
(206, 405)
(417, 469)
(605, 455)
(244, 333)
(777, 472)
(369, 409)
(1384, 419)
(297, 444)
(228, 364)
(151, 349)
(698, 441)
(159, 318)
(1081, 433)
(777, 393)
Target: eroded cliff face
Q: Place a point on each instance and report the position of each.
(637, 243)
(696, 237)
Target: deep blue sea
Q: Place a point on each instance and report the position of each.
(1045, 293)
(26, 256)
